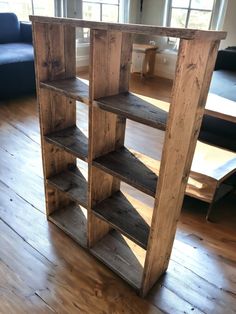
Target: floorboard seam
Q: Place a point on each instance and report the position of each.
(25, 134)
(25, 200)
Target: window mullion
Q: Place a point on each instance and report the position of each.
(188, 14)
(100, 11)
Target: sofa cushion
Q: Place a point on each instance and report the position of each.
(226, 59)
(15, 53)
(16, 69)
(26, 32)
(9, 28)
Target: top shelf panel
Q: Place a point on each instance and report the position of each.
(134, 28)
(74, 88)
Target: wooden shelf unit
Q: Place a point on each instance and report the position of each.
(131, 238)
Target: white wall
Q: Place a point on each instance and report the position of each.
(229, 25)
(134, 12)
(153, 12)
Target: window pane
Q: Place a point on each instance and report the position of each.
(104, 1)
(178, 17)
(3, 6)
(22, 8)
(202, 4)
(180, 3)
(199, 19)
(110, 13)
(44, 7)
(91, 11)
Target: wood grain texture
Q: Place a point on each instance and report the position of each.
(135, 28)
(73, 183)
(126, 165)
(73, 221)
(70, 139)
(52, 62)
(110, 59)
(127, 215)
(122, 256)
(135, 108)
(73, 87)
(193, 73)
(201, 250)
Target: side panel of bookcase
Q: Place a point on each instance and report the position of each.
(110, 68)
(54, 59)
(193, 74)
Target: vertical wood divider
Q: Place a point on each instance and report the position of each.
(195, 64)
(110, 67)
(54, 60)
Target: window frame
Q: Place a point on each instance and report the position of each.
(189, 9)
(101, 6)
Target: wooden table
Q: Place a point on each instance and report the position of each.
(220, 107)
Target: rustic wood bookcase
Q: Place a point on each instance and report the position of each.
(132, 239)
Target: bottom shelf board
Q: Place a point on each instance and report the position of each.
(73, 221)
(122, 256)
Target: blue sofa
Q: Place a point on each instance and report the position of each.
(214, 130)
(17, 74)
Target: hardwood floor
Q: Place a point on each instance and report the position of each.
(43, 271)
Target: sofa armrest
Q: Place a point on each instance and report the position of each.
(226, 60)
(26, 31)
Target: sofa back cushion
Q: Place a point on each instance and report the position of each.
(226, 59)
(9, 28)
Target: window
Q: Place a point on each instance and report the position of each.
(24, 8)
(101, 10)
(191, 13)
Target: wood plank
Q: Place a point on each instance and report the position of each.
(110, 55)
(70, 51)
(127, 215)
(71, 140)
(214, 162)
(74, 88)
(193, 74)
(73, 183)
(122, 256)
(134, 107)
(73, 221)
(56, 112)
(220, 107)
(134, 28)
(131, 167)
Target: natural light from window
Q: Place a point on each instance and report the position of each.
(101, 10)
(191, 13)
(24, 8)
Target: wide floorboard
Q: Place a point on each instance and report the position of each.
(43, 271)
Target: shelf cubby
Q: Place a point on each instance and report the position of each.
(73, 183)
(127, 215)
(74, 88)
(135, 107)
(123, 256)
(72, 140)
(132, 167)
(72, 219)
